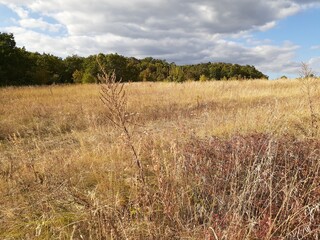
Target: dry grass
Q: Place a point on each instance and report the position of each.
(221, 160)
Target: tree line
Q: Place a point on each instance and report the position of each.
(21, 67)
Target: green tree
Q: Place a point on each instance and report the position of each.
(203, 78)
(118, 64)
(8, 59)
(46, 69)
(20, 67)
(77, 76)
(88, 78)
(72, 64)
(215, 71)
(176, 73)
(133, 69)
(90, 69)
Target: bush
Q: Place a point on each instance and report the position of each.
(203, 78)
(88, 78)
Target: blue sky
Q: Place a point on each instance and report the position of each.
(274, 36)
(6, 16)
(301, 29)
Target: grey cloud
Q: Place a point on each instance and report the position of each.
(306, 1)
(158, 18)
(200, 16)
(183, 31)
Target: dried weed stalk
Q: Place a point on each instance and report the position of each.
(114, 99)
(309, 88)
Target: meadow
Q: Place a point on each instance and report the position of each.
(219, 160)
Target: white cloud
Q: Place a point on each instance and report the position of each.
(316, 47)
(39, 23)
(21, 12)
(39, 42)
(314, 64)
(202, 16)
(184, 31)
(27, 21)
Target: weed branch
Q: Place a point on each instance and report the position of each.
(114, 99)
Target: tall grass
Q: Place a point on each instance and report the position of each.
(221, 160)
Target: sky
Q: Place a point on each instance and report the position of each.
(273, 35)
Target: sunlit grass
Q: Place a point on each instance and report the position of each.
(67, 173)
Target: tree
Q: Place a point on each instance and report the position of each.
(90, 69)
(20, 67)
(176, 73)
(203, 78)
(77, 76)
(133, 69)
(46, 69)
(153, 69)
(215, 71)
(72, 64)
(8, 57)
(118, 64)
(306, 71)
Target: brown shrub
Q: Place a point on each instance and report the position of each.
(267, 187)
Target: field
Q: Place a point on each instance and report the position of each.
(219, 160)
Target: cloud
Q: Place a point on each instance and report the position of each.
(306, 2)
(184, 31)
(316, 47)
(314, 64)
(26, 20)
(39, 42)
(162, 16)
(40, 24)
(21, 12)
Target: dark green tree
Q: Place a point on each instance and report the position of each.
(20, 67)
(71, 65)
(8, 59)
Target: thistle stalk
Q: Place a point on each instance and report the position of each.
(114, 98)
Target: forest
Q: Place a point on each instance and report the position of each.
(21, 67)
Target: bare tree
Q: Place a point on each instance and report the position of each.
(308, 88)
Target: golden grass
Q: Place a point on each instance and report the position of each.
(66, 172)
(212, 108)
